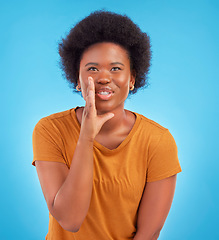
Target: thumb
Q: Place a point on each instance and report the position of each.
(105, 117)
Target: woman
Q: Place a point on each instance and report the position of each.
(105, 172)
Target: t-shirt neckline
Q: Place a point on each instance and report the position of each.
(122, 144)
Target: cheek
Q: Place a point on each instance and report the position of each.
(124, 81)
(84, 90)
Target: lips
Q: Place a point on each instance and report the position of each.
(104, 93)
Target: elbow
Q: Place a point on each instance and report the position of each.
(70, 227)
(67, 222)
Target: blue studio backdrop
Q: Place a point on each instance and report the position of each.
(182, 96)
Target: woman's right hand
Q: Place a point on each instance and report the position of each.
(91, 123)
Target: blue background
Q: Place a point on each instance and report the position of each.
(183, 96)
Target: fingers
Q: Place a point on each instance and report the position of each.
(90, 96)
(105, 117)
(91, 93)
(91, 122)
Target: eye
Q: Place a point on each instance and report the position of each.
(116, 68)
(92, 69)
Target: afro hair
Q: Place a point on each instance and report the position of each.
(105, 26)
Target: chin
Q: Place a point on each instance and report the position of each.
(102, 110)
(106, 106)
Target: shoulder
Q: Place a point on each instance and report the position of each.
(153, 132)
(149, 125)
(54, 118)
(59, 115)
(56, 123)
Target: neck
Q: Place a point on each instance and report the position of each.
(120, 116)
(116, 123)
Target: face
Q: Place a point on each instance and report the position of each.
(109, 65)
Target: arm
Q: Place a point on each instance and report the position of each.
(154, 208)
(68, 191)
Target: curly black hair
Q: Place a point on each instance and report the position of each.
(105, 26)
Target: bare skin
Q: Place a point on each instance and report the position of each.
(154, 208)
(104, 67)
(115, 136)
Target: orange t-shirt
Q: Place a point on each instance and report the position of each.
(148, 153)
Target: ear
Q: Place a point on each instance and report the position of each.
(79, 84)
(133, 76)
(78, 81)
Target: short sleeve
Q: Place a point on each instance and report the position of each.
(163, 161)
(47, 144)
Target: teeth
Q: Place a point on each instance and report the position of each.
(103, 93)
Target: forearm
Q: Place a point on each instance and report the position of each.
(72, 201)
(154, 208)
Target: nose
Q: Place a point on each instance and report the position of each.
(103, 78)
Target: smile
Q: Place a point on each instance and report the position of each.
(104, 95)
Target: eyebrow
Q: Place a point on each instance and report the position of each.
(117, 63)
(91, 63)
(96, 64)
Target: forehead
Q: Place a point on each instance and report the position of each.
(105, 51)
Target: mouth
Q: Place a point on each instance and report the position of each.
(104, 94)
